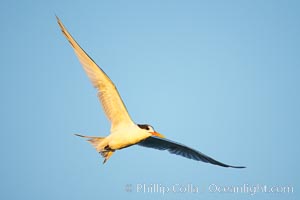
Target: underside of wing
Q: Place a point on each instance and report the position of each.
(180, 149)
(108, 94)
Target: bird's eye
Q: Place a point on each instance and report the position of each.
(150, 128)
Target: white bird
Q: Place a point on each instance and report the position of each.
(124, 132)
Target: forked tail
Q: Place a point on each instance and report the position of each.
(100, 145)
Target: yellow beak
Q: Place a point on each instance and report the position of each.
(158, 134)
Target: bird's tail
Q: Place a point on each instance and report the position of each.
(100, 145)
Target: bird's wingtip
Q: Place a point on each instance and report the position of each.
(57, 18)
(79, 135)
(238, 167)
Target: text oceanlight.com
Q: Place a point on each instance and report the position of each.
(251, 189)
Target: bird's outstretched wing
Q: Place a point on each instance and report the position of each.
(180, 149)
(108, 94)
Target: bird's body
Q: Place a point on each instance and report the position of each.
(124, 132)
(126, 136)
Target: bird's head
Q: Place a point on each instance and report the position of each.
(150, 130)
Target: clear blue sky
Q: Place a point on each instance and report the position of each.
(220, 76)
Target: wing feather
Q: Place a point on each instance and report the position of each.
(181, 150)
(108, 94)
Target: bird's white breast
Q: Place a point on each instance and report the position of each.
(125, 136)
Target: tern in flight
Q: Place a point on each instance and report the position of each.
(124, 132)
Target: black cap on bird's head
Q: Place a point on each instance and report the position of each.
(151, 130)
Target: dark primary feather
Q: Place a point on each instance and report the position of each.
(180, 149)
